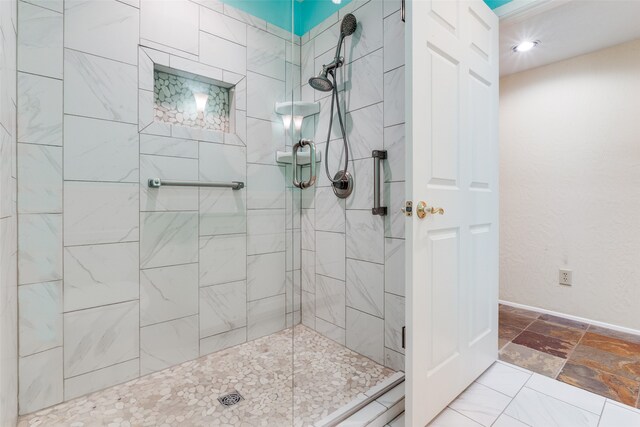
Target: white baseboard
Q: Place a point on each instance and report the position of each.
(570, 317)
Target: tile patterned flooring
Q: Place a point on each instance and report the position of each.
(602, 361)
(327, 375)
(509, 396)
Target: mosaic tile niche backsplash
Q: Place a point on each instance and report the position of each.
(175, 102)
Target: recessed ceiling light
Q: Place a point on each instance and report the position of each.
(336, 1)
(525, 46)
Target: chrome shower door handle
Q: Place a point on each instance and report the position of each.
(312, 158)
(378, 157)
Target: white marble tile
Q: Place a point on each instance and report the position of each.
(168, 293)
(265, 187)
(168, 198)
(309, 309)
(266, 316)
(195, 67)
(223, 54)
(505, 379)
(294, 255)
(40, 321)
(223, 259)
(265, 53)
(39, 179)
(393, 359)
(308, 271)
(204, 135)
(100, 88)
(240, 91)
(615, 415)
(394, 320)
(308, 220)
(215, 5)
(293, 289)
(220, 162)
(262, 94)
(265, 231)
(100, 337)
(167, 146)
(328, 22)
(330, 331)
(222, 211)
(39, 110)
(223, 26)
(264, 138)
(293, 53)
(365, 236)
(39, 40)
(394, 198)
(330, 254)
(322, 120)
(390, 6)
(537, 409)
(39, 248)
(102, 378)
(105, 28)
(240, 130)
(100, 212)
(171, 23)
(223, 308)
(326, 42)
(40, 380)
(146, 111)
(365, 286)
(567, 393)
(281, 32)
(100, 150)
(362, 196)
(394, 266)
(55, 5)
(365, 132)
(167, 344)
(168, 238)
(364, 81)
(394, 97)
(265, 275)
(222, 341)
(308, 64)
(150, 44)
(507, 421)
(368, 36)
(330, 211)
(100, 274)
(394, 167)
(393, 42)
(330, 300)
(481, 404)
(145, 70)
(244, 17)
(365, 334)
(451, 418)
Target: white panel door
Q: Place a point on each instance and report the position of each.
(452, 159)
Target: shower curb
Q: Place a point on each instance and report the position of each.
(376, 407)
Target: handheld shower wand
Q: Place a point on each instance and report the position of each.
(342, 181)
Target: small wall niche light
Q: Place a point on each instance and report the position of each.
(286, 121)
(297, 122)
(525, 46)
(201, 101)
(336, 1)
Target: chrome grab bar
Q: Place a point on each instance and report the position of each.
(157, 183)
(378, 156)
(294, 162)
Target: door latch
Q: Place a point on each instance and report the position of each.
(408, 208)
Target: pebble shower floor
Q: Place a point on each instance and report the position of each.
(323, 377)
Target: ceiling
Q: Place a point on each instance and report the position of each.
(565, 28)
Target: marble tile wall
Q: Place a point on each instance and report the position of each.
(352, 261)
(8, 219)
(117, 280)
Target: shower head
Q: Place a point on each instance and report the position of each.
(321, 82)
(349, 24)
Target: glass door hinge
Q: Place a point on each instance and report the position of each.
(404, 336)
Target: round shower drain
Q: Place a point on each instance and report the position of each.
(230, 399)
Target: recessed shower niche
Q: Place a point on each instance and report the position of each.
(187, 100)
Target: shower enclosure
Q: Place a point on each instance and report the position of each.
(182, 255)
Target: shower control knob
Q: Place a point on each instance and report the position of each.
(423, 210)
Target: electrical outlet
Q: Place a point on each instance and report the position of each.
(566, 277)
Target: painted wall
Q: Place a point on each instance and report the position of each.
(353, 261)
(569, 174)
(8, 217)
(117, 280)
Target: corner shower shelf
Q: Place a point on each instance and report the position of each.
(297, 108)
(304, 157)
